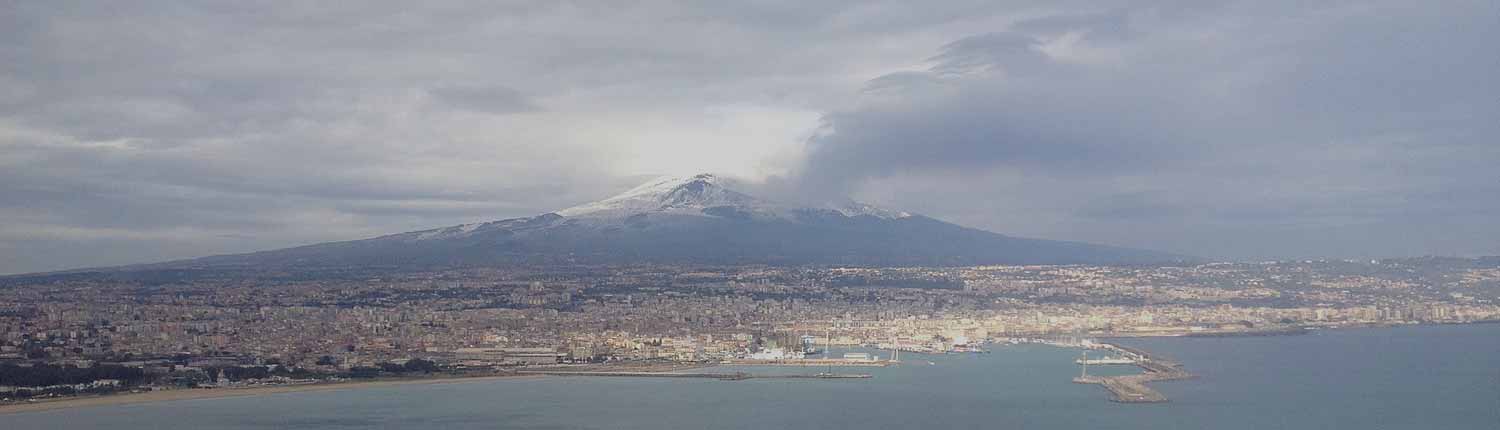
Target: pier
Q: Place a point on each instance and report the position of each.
(735, 376)
(1132, 388)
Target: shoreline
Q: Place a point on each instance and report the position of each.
(217, 393)
(1298, 330)
(198, 394)
(128, 398)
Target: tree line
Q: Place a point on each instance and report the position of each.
(42, 375)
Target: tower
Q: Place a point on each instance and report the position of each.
(1083, 359)
(895, 350)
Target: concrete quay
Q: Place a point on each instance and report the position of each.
(1132, 388)
(1125, 389)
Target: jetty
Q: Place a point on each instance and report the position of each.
(1132, 388)
(723, 376)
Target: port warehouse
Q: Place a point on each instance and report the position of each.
(518, 356)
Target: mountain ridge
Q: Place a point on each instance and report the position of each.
(689, 220)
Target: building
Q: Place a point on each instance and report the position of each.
(496, 355)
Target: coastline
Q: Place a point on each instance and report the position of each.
(1171, 371)
(215, 393)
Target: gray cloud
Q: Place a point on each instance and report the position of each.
(1012, 53)
(1224, 131)
(489, 99)
(133, 133)
(185, 128)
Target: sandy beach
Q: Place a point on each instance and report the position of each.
(192, 393)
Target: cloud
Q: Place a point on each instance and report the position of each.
(1193, 130)
(487, 99)
(166, 130)
(1005, 51)
(186, 127)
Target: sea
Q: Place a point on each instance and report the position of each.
(1414, 377)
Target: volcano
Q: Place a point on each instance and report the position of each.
(696, 219)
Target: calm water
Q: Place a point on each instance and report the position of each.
(1445, 377)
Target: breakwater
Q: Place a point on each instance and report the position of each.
(1132, 388)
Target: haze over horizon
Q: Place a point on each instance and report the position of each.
(1222, 129)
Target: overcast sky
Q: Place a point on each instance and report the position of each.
(143, 131)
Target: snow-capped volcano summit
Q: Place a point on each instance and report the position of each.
(707, 194)
(687, 220)
(676, 194)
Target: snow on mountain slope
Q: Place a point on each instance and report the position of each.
(697, 195)
(695, 219)
(676, 194)
(703, 196)
(852, 208)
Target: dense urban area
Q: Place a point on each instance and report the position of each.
(67, 334)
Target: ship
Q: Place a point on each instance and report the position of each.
(967, 348)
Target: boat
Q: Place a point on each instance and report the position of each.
(965, 348)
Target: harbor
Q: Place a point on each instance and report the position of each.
(1131, 388)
